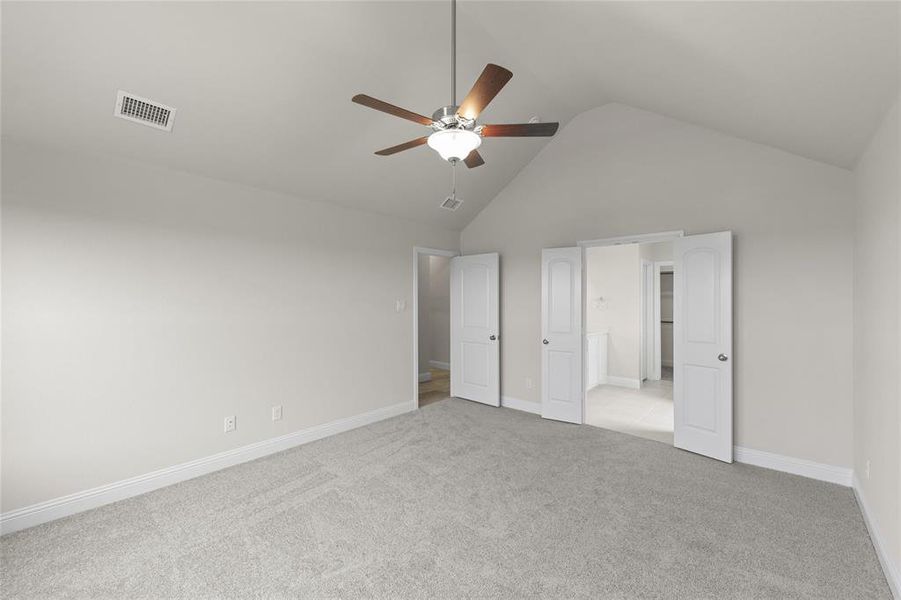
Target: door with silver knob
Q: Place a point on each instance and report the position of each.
(702, 343)
(475, 308)
(561, 333)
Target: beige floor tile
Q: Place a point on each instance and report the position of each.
(647, 413)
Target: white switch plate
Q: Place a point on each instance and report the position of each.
(276, 413)
(229, 423)
(528, 383)
(400, 305)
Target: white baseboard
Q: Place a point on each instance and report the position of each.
(57, 508)
(437, 364)
(795, 466)
(523, 405)
(423, 377)
(626, 382)
(891, 570)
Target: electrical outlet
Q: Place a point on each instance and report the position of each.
(528, 383)
(276, 413)
(229, 423)
(866, 470)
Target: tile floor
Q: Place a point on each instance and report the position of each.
(647, 413)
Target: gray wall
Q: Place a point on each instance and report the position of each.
(877, 362)
(617, 170)
(433, 284)
(143, 305)
(439, 308)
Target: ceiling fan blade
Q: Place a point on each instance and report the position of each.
(520, 130)
(486, 87)
(404, 146)
(474, 160)
(391, 109)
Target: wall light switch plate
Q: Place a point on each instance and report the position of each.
(400, 305)
(276, 413)
(229, 423)
(528, 383)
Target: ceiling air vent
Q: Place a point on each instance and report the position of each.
(146, 112)
(451, 203)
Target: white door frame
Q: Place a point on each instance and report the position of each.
(417, 252)
(646, 329)
(641, 238)
(658, 333)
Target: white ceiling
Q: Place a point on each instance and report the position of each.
(263, 89)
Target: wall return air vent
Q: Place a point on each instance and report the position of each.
(451, 203)
(146, 112)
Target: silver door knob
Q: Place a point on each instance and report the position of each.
(544, 341)
(723, 357)
(492, 337)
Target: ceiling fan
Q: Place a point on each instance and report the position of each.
(456, 133)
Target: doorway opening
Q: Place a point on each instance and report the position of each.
(596, 366)
(629, 338)
(431, 325)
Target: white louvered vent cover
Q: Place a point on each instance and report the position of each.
(451, 203)
(146, 112)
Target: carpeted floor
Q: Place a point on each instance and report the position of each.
(460, 500)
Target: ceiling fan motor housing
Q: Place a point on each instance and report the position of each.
(447, 118)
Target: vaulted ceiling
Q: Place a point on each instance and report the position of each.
(263, 89)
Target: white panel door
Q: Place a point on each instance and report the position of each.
(561, 334)
(702, 344)
(475, 345)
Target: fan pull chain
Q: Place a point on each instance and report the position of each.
(454, 188)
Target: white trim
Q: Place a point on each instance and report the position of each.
(64, 506)
(645, 328)
(439, 364)
(795, 466)
(426, 376)
(417, 250)
(891, 571)
(644, 238)
(626, 382)
(523, 405)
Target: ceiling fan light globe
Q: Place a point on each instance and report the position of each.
(454, 143)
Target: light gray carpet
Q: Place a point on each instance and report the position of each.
(461, 500)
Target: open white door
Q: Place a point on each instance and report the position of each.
(475, 345)
(561, 333)
(702, 344)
